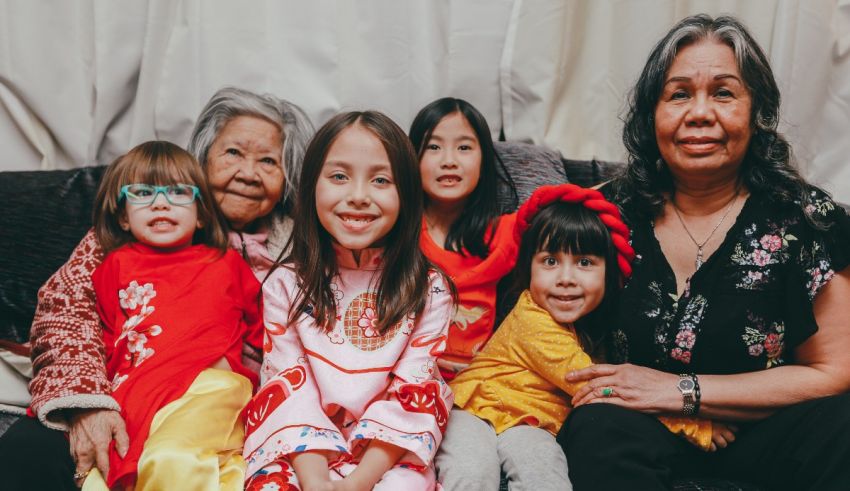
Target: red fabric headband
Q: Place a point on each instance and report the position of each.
(590, 199)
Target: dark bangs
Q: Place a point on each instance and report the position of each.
(574, 229)
(565, 227)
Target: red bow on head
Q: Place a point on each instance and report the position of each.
(590, 199)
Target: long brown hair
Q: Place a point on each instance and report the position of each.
(153, 162)
(402, 284)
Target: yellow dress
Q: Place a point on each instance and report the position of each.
(519, 376)
(196, 441)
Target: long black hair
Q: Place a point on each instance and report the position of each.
(403, 283)
(476, 221)
(572, 228)
(767, 166)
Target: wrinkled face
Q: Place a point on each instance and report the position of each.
(245, 170)
(161, 224)
(451, 163)
(356, 197)
(702, 119)
(568, 286)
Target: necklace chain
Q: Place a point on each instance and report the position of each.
(699, 261)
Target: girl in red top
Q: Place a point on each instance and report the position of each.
(176, 306)
(463, 231)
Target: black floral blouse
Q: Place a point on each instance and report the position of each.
(749, 304)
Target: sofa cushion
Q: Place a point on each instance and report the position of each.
(45, 216)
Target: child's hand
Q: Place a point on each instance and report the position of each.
(722, 435)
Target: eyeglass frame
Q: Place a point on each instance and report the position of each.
(122, 193)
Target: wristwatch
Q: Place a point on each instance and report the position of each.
(687, 386)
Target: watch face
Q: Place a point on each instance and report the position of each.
(686, 384)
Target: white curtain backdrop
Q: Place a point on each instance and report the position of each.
(569, 66)
(82, 81)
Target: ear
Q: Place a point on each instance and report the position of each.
(123, 222)
(200, 224)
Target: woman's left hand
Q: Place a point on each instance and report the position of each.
(635, 387)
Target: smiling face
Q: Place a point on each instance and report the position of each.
(357, 200)
(161, 224)
(568, 286)
(244, 169)
(702, 119)
(451, 161)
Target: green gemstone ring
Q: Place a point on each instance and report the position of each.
(607, 391)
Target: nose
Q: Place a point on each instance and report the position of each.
(701, 112)
(358, 195)
(566, 275)
(160, 201)
(247, 171)
(449, 161)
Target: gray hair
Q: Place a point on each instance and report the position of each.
(767, 165)
(230, 102)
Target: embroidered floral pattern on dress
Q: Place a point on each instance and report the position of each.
(273, 477)
(662, 309)
(370, 430)
(820, 204)
(765, 339)
(688, 327)
(360, 324)
(769, 248)
(134, 300)
(368, 322)
(820, 271)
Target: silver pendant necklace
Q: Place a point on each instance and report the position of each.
(699, 261)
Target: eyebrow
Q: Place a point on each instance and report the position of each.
(720, 76)
(243, 144)
(462, 137)
(347, 166)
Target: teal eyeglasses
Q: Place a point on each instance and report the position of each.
(145, 194)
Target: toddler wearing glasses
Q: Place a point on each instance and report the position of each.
(176, 306)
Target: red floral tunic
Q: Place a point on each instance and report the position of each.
(167, 317)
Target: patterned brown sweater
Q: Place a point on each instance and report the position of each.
(67, 344)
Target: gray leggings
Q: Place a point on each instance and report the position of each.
(472, 454)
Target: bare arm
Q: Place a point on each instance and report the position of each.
(311, 467)
(821, 370)
(378, 458)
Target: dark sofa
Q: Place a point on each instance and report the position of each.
(46, 213)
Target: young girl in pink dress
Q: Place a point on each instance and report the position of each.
(176, 307)
(351, 397)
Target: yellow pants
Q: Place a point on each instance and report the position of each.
(195, 442)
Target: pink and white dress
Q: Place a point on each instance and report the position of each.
(338, 390)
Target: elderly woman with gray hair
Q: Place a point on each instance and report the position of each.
(251, 147)
(737, 307)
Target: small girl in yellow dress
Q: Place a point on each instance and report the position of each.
(513, 398)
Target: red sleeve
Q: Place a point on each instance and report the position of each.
(105, 282)
(252, 304)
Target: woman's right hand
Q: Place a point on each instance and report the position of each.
(90, 434)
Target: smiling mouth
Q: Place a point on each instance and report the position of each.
(357, 221)
(449, 180)
(243, 195)
(565, 298)
(161, 223)
(699, 145)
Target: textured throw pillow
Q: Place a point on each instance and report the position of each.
(44, 217)
(530, 166)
